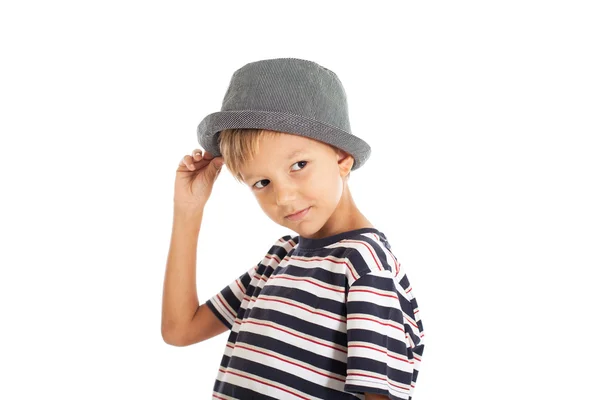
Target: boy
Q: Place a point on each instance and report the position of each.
(326, 314)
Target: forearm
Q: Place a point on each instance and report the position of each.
(373, 396)
(180, 298)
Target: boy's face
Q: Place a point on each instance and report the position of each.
(290, 173)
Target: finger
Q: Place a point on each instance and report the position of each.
(208, 155)
(186, 162)
(197, 154)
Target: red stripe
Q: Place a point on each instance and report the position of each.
(273, 256)
(220, 398)
(240, 286)
(381, 351)
(368, 248)
(290, 362)
(296, 335)
(386, 250)
(306, 280)
(380, 379)
(289, 241)
(226, 307)
(264, 383)
(412, 323)
(379, 322)
(303, 308)
(397, 265)
(308, 259)
(378, 294)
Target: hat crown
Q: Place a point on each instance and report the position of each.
(289, 95)
(292, 86)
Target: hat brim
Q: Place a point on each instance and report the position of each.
(212, 124)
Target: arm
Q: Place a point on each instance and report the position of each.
(373, 396)
(184, 321)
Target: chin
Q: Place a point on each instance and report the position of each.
(301, 229)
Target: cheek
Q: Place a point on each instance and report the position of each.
(327, 188)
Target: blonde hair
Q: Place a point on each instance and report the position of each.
(239, 146)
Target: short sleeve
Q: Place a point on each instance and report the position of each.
(383, 337)
(226, 304)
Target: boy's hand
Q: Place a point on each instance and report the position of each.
(194, 179)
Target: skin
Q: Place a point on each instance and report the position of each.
(287, 186)
(373, 396)
(283, 185)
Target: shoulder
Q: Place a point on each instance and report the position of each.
(370, 253)
(279, 250)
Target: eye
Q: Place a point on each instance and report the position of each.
(299, 162)
(262, 180)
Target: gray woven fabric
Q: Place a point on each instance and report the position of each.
(288, 95)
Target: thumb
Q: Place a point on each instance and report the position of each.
(217, 163)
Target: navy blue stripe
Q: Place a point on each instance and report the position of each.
(312, 354)
(231, 299)
(337, 252)
(308, 243)
(319, 274)
(218, 314)
(238, 392)
(361, 335)
(381, 256)
(300, 325)
(369, 364)
(366, 307)
(418, 350)
(303, 355)
(361, 265)
(246, 278)
(272, 372)
(376, 282)
(225, 361)
(369, 389)
(404, 282)
(309, 299)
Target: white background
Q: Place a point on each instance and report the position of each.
(483, 120)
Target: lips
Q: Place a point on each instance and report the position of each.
(298, 215)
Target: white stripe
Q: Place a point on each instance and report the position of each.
(312, 315)
(369, 353)
(296, 338)
(224, 313)
(373, 295)
(329, 263)
(366, 322)
(390, 259)
(304, 283)
(267, 390)
(324, 378)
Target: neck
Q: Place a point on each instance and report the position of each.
(346, 217)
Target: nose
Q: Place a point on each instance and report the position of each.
(285, 194)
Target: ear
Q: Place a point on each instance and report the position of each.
(345, 162)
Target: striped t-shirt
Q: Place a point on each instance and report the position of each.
(328, 318)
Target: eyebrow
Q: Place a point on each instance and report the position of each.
(295, 153)
(291, 155)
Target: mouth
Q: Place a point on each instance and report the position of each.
(298, 215)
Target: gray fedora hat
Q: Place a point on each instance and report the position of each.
(287, 95)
